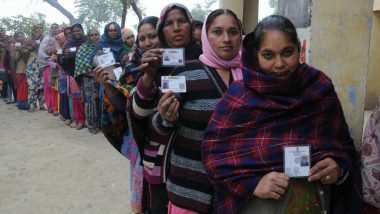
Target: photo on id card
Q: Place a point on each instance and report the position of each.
(297, 160)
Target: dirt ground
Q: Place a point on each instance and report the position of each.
(46, 167)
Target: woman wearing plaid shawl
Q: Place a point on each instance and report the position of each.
(279, 103)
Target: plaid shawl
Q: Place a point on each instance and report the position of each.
(84, 59)
(257, 117)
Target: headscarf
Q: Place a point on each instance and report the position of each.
(192, 51)
(74, 42)
(125, 32)
(84, 58)
(116, 45)
(210, 58)
(6, 39)
(258, 116)
(36, 36)
(48, 40)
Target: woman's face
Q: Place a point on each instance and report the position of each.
(20, 37)
(148, 37)
(130, 40)
(2, 32)
(94, 36)
(224, 37)
(278, 56)
(77, 33)
(176, 29)
(112, 31)
(54, 29)
(38, 30)
(67, 33)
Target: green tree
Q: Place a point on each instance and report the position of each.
(23, 23)
(94, 13)
(200, 11)
(273, 4)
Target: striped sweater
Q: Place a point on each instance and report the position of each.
(188, 185)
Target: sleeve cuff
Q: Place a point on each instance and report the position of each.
(146, 93)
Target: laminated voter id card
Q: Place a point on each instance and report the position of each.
(297, 161)
(176, 84)
(105, 60)
(173, 57)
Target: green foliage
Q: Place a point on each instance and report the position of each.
(273, 4)
(95, 13)
(23, 23)
(199, 12)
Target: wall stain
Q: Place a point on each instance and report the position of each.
(352, 95)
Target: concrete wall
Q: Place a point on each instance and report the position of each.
(373, 82)
(376, 5)
(251, 15)
(298, 11)
(235, 5)
(340, 46)
(246, 10)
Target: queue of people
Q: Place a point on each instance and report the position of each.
(219, 146)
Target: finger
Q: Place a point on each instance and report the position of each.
(318, 166)
(283, 176)
(319, 175)
(149, 59)
(165, 97)
(172, 106)
(156, 51)
(280, 190)
(282, 183)
(143, 66)
(166, 104)
(274, 195)
(176, 107)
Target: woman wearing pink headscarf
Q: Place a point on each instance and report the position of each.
(188, 187)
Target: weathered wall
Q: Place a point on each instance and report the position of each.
(246, 10)
(251, 15)
(373, 86)
(296, 10)
(340, 46)
(235, 5)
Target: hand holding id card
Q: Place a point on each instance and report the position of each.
(297, 161)
(176, 84)
(173, 57)
(107, 62)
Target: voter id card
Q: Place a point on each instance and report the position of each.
(105, 60)
(297, 161)
(173, 57)
(176, 84)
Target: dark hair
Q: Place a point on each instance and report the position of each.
(152, 20)
(77, 26)
(252, 42)
(198, 24)
(219, 12)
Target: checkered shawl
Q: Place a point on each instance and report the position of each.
(260, 115)
(84, 59)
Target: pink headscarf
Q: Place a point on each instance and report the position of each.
(210, 58)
